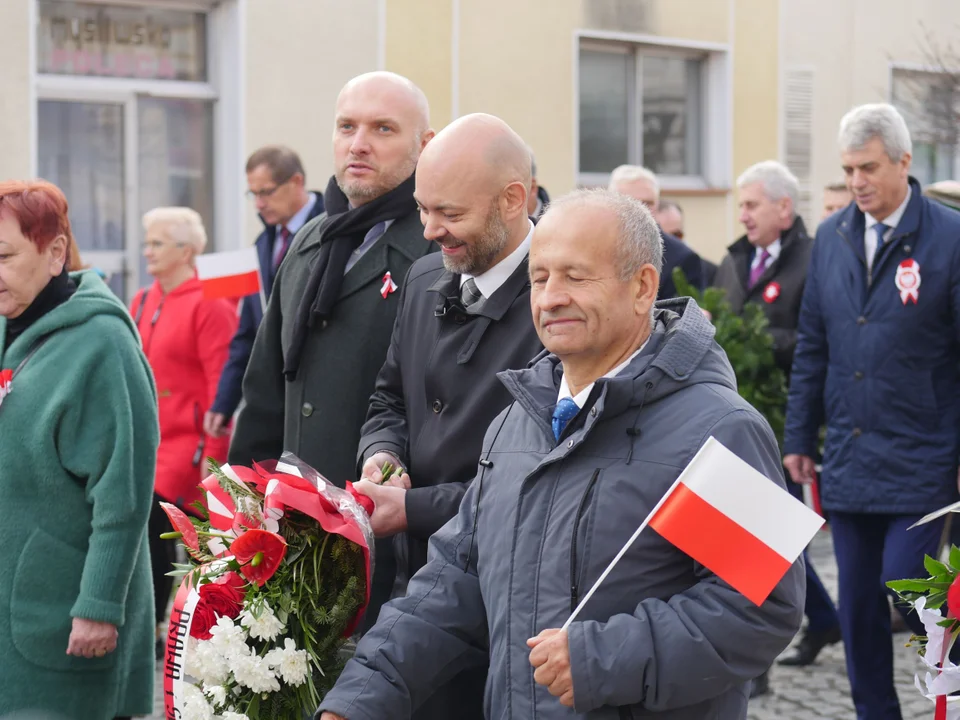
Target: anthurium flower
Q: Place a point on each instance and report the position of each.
(953, 598)
(259, 553)
(181, 523)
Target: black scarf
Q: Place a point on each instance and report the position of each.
(341, 232)
(57, 292)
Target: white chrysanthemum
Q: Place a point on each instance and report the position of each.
(234, 716)
(208, 665)
(265, 627)
(227, 638)
(290, 663)
(217, 694)
(254, 672)
(195, 705)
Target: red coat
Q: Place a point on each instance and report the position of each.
(186, 340)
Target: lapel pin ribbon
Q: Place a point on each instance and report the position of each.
(771, 292)
(6, 383)
(908, 281)
(389, 286)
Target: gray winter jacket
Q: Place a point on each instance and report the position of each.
(663, 637)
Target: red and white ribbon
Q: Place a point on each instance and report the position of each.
(771, 292)
(175, 648)
(908, 281)
(6, 383)
(389, 285)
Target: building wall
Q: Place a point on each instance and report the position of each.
(469, 59)
(299, 53)
(850, 47)
(16, 97)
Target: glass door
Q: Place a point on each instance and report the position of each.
(81, 150)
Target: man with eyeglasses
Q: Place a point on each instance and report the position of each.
(328, 323)
(276, 183)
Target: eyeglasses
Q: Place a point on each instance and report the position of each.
(160, 244)
(266, 192)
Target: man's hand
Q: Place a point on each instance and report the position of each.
(373, 470)
(331, 716)
(214, 424)
(390, 507)
(550, 656)
(90, 638)
(802, 468)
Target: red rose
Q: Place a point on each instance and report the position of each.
(953, 598)
(221, 598)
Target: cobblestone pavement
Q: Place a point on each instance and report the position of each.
(820, 692)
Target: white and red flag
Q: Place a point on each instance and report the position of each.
(731, 519)
(230, 274)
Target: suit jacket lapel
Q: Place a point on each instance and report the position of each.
(373, 265)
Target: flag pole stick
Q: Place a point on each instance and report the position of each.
(636, 534)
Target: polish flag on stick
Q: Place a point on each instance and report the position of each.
(230, 274)
(732, 519)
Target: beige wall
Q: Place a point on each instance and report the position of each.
(419, 47)
(15, 95)
(299, 53)
(850, 46)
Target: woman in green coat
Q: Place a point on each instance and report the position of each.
(78, 443)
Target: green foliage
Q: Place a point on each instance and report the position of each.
(749, 348)
(933, 588)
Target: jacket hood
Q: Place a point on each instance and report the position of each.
(681, 352)
(91, 299)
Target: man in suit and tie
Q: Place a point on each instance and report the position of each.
(276, 182)
(768, 266)
(641, 184)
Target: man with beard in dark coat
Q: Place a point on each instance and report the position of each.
(327, 326)
(464, 316)
(768, 266)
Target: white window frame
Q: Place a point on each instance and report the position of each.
(716, 102)
(225, 47)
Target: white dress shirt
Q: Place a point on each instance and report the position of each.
(581, 397)
(891, 221)
(490, 281)
(773, 249)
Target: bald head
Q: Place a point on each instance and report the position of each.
(471, 185)
(381, 125)
(483, 144)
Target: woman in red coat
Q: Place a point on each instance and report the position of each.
(186, 339)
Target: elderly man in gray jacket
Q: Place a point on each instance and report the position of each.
(600, 427)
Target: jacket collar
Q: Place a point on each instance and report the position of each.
(447, 286)
(316, 210)
(852, 222)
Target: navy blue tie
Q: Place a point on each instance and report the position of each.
(881, 230)
(563, 413)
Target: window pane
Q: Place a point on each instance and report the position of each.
(605, 79)
(930, 103)
(176, 156)
(671, 115)
(81, 151)
(77, 38)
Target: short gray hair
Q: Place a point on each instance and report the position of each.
(182, 225)
(639, 241)
(776, 180)
(629, 173)
(878, 120)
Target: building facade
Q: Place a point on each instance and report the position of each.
(840, 54)
(130, 104)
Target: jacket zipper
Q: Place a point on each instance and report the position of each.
(574, 588)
